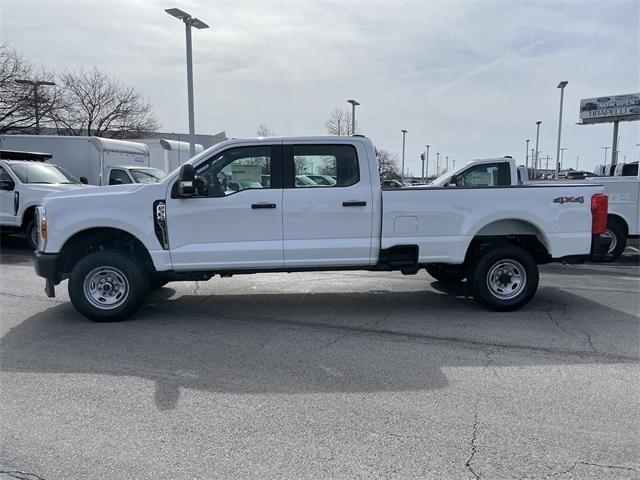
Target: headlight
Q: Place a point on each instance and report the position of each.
(41, 226)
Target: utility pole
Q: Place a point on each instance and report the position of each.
(526, 155)
(36, 101)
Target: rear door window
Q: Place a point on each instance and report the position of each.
(325, 166)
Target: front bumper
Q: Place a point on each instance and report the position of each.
(600, 246)
(45, 266)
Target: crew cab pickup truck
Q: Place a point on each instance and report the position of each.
(623, 219)
(114, 244)
(24, 182)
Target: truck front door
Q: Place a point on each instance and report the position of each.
(235, 221)
(326, 225)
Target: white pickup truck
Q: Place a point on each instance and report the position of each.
(24, 181)
(623, 220)
(236, 208)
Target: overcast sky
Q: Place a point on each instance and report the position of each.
(469, 78)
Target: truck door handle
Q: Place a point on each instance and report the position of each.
(354, 204)
(263, 205)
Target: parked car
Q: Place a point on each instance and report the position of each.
(24, 181)
(115, 244)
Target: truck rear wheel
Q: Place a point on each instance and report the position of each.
(618, 236)
(447, 274)
(504, 278)
(108, 286)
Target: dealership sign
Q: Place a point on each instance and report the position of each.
(610, 109)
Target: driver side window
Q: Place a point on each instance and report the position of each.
(486, 175)
(235, 170)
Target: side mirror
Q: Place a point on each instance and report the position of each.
(7, 185)
(84, 180)
(186, 181)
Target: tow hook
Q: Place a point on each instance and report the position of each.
(49, 288)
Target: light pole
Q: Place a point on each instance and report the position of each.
(526, 155)
(426, 174)
(353, 115)
(535, 164)
(437, 164)
(447, 164)
(561, 86)
(189, 22)
(404, 134)
(577, 161)
(562, 156)
(605, 155)
(34, 85)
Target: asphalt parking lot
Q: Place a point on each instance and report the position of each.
(324, 375)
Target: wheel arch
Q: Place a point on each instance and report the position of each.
(94, 239)
(620, 220)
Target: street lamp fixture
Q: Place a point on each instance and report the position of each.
(35, 84)
(353, 115)
(189, 22)
(535, 161)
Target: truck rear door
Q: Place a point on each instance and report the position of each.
(326, 225)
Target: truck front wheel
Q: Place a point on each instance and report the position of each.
(108, 286)
(504, 278)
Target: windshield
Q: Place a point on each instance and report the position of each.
(443, 179)
(147, 175)
(30, 172)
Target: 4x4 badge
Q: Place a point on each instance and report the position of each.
(562, 200)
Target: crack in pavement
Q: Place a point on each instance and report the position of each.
(412, 336)
(32, 297)
(17, 474)
(556, 321)
(589, 464)
(474, 448)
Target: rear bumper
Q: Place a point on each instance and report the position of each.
(600, 245)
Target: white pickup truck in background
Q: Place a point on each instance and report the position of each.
(237, 208)
(623, 219)
(24, 182)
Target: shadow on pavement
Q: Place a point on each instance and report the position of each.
(290, 343)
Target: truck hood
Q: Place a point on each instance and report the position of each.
(45, 188)
(106, 192)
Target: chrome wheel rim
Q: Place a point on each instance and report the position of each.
(614, 240)
(506, 279)
(106, 288)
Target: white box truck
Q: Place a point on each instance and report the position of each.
(166, 154)
(94, 160)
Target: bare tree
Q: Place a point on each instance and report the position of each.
(95, 104)
(17, 101)
(387, 165)
(339, 122)
(264, 131)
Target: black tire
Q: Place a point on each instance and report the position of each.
(447, 274)
(30, 233)
(486, 278)
(618, 241)
(121, 273)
